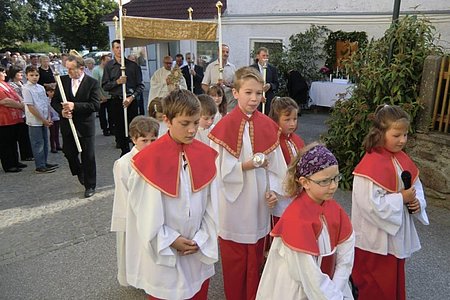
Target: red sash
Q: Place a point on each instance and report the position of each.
(379, 167)
(287, 150)
(264, 132)
(9, 116)
(159, 164)
(301, 224)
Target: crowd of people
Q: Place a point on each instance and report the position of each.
(209, 173)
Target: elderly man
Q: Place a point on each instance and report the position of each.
(159, 81)
(83, 98)
(212, 76)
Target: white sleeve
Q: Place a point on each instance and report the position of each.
(207, 75)
(384, 210)
(183, 85)
(119, 212)
(206, 236)
(231, 175)
(155, 86)
(303, 268)
(422, 215)
(345, 253)
(146, 203)
(277, 170)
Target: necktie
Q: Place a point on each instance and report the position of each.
(75, 85)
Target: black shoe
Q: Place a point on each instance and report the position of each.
(43, 170)
(59, 148)
(106, 133)
(89, 192)
(21, 165)
(28, 159)
(81, 178)
(13, 170)
(51, 166)
(54, 151)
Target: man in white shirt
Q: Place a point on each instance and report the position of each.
(212, 76)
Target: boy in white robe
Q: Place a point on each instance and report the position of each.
(171, 223)
(251, 168)
(208, 111)
(143, 131)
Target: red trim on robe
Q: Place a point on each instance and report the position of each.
(264, 132)
(379, 167)
(301, 224)
(160, 163)
(287, 150)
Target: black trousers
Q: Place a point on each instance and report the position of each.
(119, 122)
(105, 116)
(9, 156)
(87, 164)
(24, 142)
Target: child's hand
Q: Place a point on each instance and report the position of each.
(184, 246)
(408, 195)
(414, 206)
(271, 199)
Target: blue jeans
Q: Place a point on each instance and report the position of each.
(39, 144)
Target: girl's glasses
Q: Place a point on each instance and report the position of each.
(327, 182)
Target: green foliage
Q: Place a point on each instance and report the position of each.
(380, 81)
(304, 53)
(330, 44)
(79, 24)
(39, 47)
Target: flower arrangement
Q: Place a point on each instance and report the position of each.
(174, 77)
(325, 70)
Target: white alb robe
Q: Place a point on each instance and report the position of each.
(244, 214)
(121, 171)
(381, 221)
(289, 274)
(158, 84)
(154, 222)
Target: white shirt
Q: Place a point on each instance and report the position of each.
(34, 94)
(244, 214)
(381, 221)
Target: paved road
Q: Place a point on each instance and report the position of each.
(54, 244)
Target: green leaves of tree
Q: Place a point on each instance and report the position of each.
(380, 81)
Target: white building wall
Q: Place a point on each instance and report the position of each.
(328, 6)
(268, 20)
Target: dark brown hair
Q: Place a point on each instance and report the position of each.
(282, 106)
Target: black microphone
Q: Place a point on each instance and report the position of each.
(406, 178)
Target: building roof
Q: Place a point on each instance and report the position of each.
(170, 9)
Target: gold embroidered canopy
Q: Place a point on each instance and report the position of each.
(138, 31)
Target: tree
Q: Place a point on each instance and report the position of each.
(78, 23)
(380, 81)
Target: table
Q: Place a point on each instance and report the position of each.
(325, 93)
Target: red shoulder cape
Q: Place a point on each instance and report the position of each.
(287, 151)
(264, 132)
(159, 164)
(379, 167)
(300, 226)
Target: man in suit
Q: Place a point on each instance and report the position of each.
(197, 74)
(112, 82)
(272, 84)
(83, 100)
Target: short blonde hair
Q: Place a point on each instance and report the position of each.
(180, 102)
(244, 74)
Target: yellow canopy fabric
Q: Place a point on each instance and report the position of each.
(138, 31)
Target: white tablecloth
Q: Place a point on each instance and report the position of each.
(325, 93)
